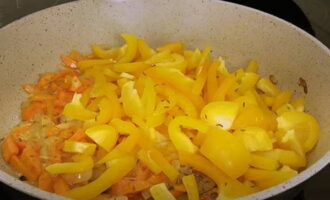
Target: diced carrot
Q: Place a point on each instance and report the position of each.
(69, 62)
(29, 112)
(157, 178)
(9, 148)
(45, 79)
(123, 187)
(22, 128)
(28, 88)
(60, 186)
(75, 55)
(142, 173)
(18, 165)
(31, 160)
(45, 182)
(52, 131)
(141, 185)
(176, 193)
(79, 135)
(85, 83)
(42, 97)
(55, 151)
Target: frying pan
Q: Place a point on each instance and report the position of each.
(32, 45)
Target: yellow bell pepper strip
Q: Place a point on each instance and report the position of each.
(85, 64)
(132, 103)
(234, 189)
(220, 113)
(160, 192)
(124, 127)
(306, 127)
(132, 47)
(267, 178)
(254, 116)
(262, 162)
(101, 53)
(252, 67)
(130, 67)
(145, 158)
(104, 135)
(170, 171)
(193, 58)
(149, 96)
(76, 110)
(109, 73)
(281, 99)
(212, 81)
(267, 87)
(200, 163)
(159, 57)
(248, 81)
(81, 163)
(181, 141)
(79, 147)
(201, 78)
(222, 69)
(291, 141)
(178, 62)
(190, 185)
(125, 147)
(183, 102)
(116, 171)
(290, 158)
(105, 114)
(223, 88)
(299, 104)
(174, 47)
(247, 99)
(176, 80)
(255, 139)
(204, 57)
(144, 50)
(226, 152)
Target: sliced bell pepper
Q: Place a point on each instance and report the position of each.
(226, 152)
(81, 163)
(203, 165)
(132, 47)
(132, 103)
(116, 171)
(79, 147)
(306, 127)
(104, 135)
(220, 113)
(145, 158)
(144, 50)
(190, 185)
(181, 141)
(160, 192)
(76, 110)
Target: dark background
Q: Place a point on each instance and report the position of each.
(312, 16)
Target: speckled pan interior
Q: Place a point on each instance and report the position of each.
(32, 45)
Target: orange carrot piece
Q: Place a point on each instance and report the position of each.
(157, 178)
(18, 165)
(22, 128)
(79, 135)
(45, 182)
(75, 55)
(31, 160)
(176, 193)
(69, 62)
(122, 187)
(9, 148)
(60, 186)
(29, 112)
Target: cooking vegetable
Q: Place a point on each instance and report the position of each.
(132, 121)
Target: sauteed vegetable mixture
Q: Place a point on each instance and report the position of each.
(133, 122)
